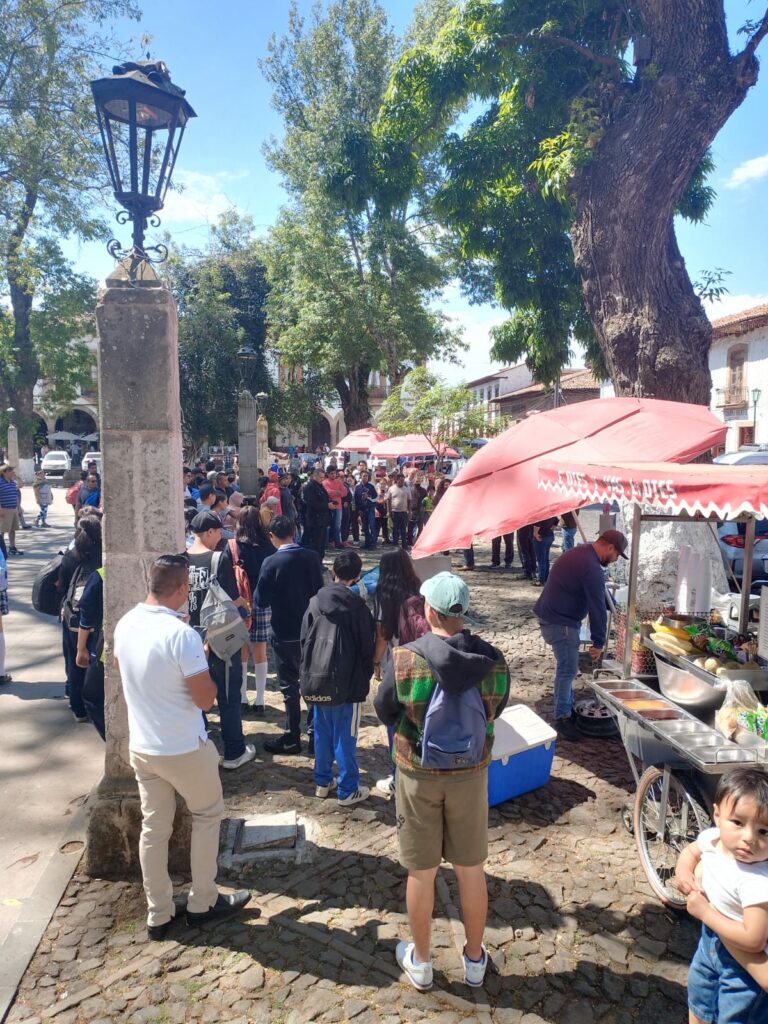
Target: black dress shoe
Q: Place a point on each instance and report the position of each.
(282, 745)
(226, 904)
(157, 932)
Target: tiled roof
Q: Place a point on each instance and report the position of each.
(498, 375)
(740, 323)
(570, 380)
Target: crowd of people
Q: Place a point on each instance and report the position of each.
(252, 576)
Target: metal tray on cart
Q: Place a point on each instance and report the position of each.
(681, 740)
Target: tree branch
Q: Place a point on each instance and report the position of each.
(570, 44)
(755, 39)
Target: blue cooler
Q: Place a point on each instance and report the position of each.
(523, 750)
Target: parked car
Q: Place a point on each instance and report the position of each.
(731, 536)
(56, 463)
(748, 454)
(92, 457)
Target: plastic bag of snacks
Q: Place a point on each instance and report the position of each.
(741, 711)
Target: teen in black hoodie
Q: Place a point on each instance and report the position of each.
(337, 640)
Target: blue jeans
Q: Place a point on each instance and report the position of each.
(228, 699)
(368, 521)
(334, 527)
(336, 740)
(75, 675)
(719, 989)
(564, 641)
(541, 550)
(569, 537)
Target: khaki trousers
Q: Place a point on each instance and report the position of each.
(195, 777)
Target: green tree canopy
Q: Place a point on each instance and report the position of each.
(222, 297)
(50, 164)
(445, 414)
(353, 274)
(563, 185)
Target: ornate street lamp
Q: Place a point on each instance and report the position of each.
(756, 395)
(142, 116)
(247, 357)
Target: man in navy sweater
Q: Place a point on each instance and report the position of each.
(576, 586)
(287, 582)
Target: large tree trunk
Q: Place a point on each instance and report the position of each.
(21, 391)
(651, 325)
(353, 396)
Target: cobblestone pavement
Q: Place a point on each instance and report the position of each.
(575, 934)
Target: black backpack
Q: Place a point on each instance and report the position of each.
(74, 593)
(326, 665)
(46, 597)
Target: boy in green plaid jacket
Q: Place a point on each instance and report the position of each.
(442, 814)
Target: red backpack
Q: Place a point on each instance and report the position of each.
(71, 496)
(412, 623)
(243, 583)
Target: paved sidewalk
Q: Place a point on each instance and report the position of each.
(49, 765)
(574, 932)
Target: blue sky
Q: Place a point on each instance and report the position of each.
(212, 51)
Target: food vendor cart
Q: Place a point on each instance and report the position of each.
(673, 748)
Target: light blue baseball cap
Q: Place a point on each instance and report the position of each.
(446, 593)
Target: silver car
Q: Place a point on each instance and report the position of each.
(731, 534)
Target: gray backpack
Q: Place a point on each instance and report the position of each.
(454, 730)
(225, 631)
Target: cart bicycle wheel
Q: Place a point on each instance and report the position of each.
(661, 837)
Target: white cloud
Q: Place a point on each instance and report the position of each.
(730, 304)
(750, 170)
(202, 198)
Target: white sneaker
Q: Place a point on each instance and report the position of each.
(474, 972)
(321, 792)
(386, 786)
(245, 757)
(360, 794)
(419, 975)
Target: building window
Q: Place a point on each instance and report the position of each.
(746, 435)
(496, 390)
(736, 389)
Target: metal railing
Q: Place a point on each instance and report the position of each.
(732, 396)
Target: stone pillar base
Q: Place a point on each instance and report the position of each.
(114, 826)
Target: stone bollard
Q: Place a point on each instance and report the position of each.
(247, 442)
(143, 518)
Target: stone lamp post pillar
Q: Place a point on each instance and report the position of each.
(262, 443)
(12, 448)
(247, 442)
(143, 518)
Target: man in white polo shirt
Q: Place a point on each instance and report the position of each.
(166, 684)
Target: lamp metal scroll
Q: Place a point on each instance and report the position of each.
(142, 116)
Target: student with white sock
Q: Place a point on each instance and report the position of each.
(253, 546)
(4, 677)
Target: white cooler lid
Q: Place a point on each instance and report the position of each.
(519, 728)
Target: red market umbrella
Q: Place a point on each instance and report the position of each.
(409, 444)
(722, 491)
(361, 440)
(497, 491)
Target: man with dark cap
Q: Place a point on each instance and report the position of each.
(206, 527)
(575, 588)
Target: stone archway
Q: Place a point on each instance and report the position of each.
(320, 433)
(77, 421)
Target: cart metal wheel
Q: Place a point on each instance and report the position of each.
(662, 833)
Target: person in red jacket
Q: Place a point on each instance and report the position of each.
(337, 490)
